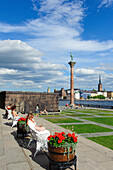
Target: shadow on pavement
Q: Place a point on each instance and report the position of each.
(40, 158)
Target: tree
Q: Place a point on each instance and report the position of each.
(94, 90)
(88, 97)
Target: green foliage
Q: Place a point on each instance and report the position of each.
(88, 97)
(98, 97)
(94, 90)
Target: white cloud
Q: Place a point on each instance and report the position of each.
(25, 70)
(22, 66)
(106, 3)
(7, 71)
(87, 72)
(55, 30)
(68, 12)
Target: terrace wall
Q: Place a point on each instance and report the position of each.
(27, 101)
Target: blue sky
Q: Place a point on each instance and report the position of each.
(37, 36)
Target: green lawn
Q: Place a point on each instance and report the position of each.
(86, 128)
(51, 116)
(85, 110)
(64, 112)
(104, 114)
(94, 111)
(63, 120)
(106, 141)
(103, 120)
(77, 115)
(77, 111)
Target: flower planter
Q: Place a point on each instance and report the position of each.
(60, 154)
(22, 128)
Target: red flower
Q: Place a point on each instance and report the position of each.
(63, 133)
(49, 137)
(59, 141)
(54, 136)
(73, 134)
(23, 119)
(69, 135)
(75, 139)
(56, 133)
(63, 138)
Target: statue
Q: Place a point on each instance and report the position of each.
(71, 56)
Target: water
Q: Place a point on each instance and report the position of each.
(91, 103)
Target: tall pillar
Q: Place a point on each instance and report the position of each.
(71, 63)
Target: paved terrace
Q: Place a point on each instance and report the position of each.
(14, 154)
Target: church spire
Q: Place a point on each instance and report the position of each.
(99, 79)
(99, 85)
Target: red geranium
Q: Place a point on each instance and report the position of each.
(22, 119)
(69, 134)
(75, 139)
(49, 137)
(63, 133)
(8, 108)
(60, 139)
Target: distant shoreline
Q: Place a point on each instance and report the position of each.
(108, 104)
(87, 100)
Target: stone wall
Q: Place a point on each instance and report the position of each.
(27, 101)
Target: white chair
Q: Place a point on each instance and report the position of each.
(10, 116)
(41, 139)
(15, 120)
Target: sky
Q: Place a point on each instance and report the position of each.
(37, 36)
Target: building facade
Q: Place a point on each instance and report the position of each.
(99, 85)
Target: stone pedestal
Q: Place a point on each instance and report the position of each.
(71, 63)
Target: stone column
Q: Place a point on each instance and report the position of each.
(71, 63)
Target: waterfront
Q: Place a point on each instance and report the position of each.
(91, 103)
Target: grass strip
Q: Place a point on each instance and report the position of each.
(106, 141)
(77, 115)
(103, 120)
(51, 115)
(104, 114)
(63, 120)
(86, 128)
(89, 111)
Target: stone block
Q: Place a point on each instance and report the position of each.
(1, 147)
(19, 166)
(2, 163)
(14, 155)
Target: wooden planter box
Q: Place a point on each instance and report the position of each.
(59, 154)
(22, 128)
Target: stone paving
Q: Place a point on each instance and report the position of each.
(14, 154)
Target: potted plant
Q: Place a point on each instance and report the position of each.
(22, 127)
(61, 146)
